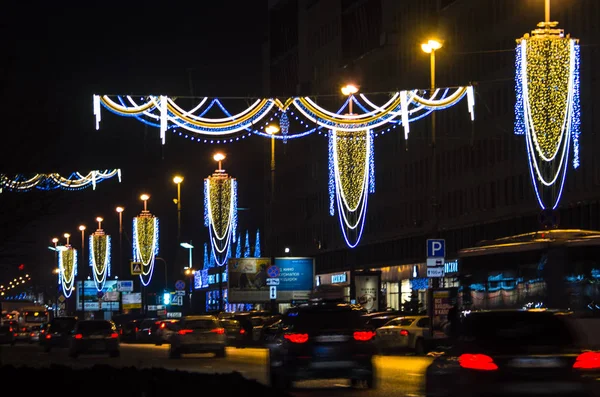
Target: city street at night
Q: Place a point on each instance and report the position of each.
(398, 375)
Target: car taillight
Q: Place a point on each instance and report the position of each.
(121, 331)
(479, 362)
(136, 329)
(588, 360)
(48, 336)
(32, 334)
(185, 331)
(364, 336)
(78, 336)
(242, 331)
(114, 335)
(219, 331)
(403, 332)
(296, 338)
(10, 330)
(163, 325)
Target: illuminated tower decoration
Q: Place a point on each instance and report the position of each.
(247, 246)
(145, 241)
(547, 107)
(99, 255)
(257, 245)
(238, 247)
(67, 269)
(220, 211)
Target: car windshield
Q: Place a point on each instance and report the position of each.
(200, 324)
(324, 319)
(94, 326)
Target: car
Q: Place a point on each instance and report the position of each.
(36, 332)
(58, 333)
(322, 340)
(165, 329)
(514, 352)
(404, 333)
(8, 335)
(128, 331)
(198, 334)
(234, 331)
(95, 336)
(145, 330)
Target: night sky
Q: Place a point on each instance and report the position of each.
(53, 59)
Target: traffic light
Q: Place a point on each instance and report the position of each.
(21, 266)
(166, 298)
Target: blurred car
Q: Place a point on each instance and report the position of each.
(198, 334)
(164, 331)
(322, 341)
(514, 352)
(58, 333)
(145, 330)
(404, 333)
(248, 320)
(379, 319)
(233, 331)
(258, 330)
(8, 335)
(129, 330)
(35, 331)
(95, 336)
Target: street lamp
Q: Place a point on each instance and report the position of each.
(99, 219)
(219, 157)
(272, 130)
(144, 197)
(189, 247)
(67, 236)
(120, 212)
(177, 180)
(348, 90)
(82, 230)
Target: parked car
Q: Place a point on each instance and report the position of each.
(58, 333)
(8, 335)
(198, 334)
(404, 333)
(95, 336)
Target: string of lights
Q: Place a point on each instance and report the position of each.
(75, 181)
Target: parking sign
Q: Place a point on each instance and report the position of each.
(436, 248)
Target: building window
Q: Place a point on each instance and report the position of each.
(393, 295)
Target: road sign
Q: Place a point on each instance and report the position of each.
(180, 292)
(435, 262)
(100, 294)
(179, 285)
(436, 248)
(273, 271)
(177, 300)
(435, 272)
(272, 281)
(272, 292)
(61, 298)
(125, 286)
(136, 268)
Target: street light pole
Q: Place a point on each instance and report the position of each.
(120, 212)
(272, 130)
(177, 180)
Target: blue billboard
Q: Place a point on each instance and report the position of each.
(294, 274)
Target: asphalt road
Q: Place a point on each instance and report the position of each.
(398, 375)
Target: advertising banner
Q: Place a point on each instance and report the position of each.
(367, 290)
(105, 300)
(442, 302)
(133, 300)
(250, 279)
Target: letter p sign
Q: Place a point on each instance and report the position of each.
(436, 248)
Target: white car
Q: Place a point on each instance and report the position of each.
(404, 333)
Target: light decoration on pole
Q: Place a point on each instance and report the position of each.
(220, 211)
(75, 181)
(67, 268)
(257, 245)
(99, 255)
(547, 109)
(145, 241)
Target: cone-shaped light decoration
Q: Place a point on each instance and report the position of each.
(547, 107)
(99, 255)
(67, 269)
(220, 211)
(145, 241)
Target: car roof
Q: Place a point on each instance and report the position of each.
(200, 317)
(317, 306)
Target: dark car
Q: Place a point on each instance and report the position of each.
(379, 319)
(129, 330)
(146, 329)
(248, 320)
(8, 335)
(322, 341)
(515, 352)
(95, 336)
(234, 331)
(58, 333)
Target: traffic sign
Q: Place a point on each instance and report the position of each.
(61, 298)
(436, 248)
(272, 281)
(272, 292)
(136, 268)
(180, 292)
(125, 286)
(435, 272)
(273, 271)
(435, 262)
(179, 285)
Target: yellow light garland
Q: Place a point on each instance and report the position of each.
(351, 150)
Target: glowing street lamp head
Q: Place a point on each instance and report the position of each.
(120, 209)
(177, 179)
(272, 129)
(144, 197)
(81, 228)
(66, 235)
(55, 240)
(99, 219)
(431, 45)
(219, 157)
(349, 89)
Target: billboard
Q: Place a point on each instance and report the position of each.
(106, 300)
(250, 279)
(367, 290)
(132, 300)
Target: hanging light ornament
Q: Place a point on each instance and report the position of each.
(547, 108)
(145, 241)
(67, 269)
(75, 181)
(99, 255)
(220, 211)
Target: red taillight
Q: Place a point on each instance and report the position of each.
(136, 329)
(479, 362)
(185, 331)
(403, 332)
(114, 335)
(121, 331)
(219, 331)
(296, 338)
(48, 336)
(10, 330)
(588, 360)
(242, 331)
(364, 336)
(78, 336)
(32, 334)
(163, 325)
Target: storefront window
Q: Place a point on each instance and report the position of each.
(393, 295)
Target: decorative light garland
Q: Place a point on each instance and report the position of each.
(145, 244)
(547, 110)
(76, 181)
(220, 213)
(100, 257)
(67, 269)
(351, 179)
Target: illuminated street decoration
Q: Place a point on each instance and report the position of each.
(67, 269)
(351, 179)
(99, 257)
(145, 243)
(547, 108)
(76, 181)
(220, 213)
